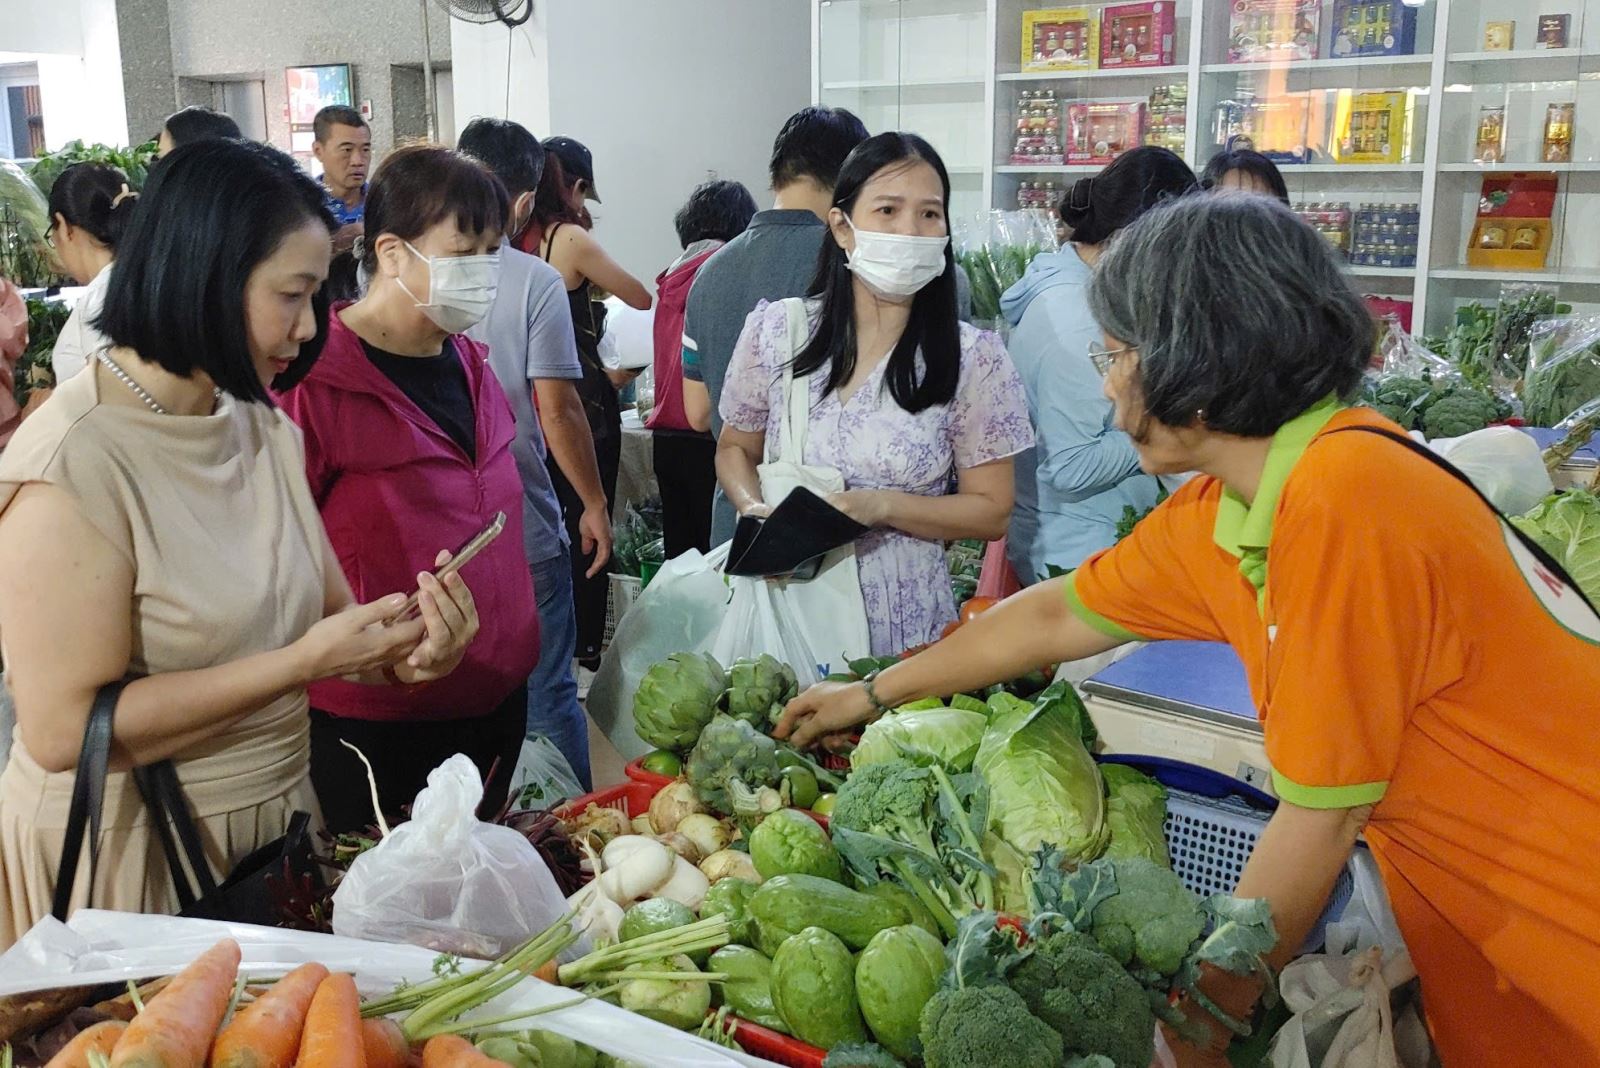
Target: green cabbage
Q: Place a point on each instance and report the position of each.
(1136, 813)
(945, 736)
(1044, 787)
(1567, 525)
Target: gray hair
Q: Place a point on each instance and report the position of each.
(1239, 310)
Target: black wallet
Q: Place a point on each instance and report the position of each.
(791, 542)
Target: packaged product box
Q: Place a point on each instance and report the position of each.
(1373, 28)
(1553, 30)
(1138, 35)
(1101, 130)
(1513, 229)
(1372, 127)
(1167, 119)
(1499, 36)
(1060, 38)
(1264, 30)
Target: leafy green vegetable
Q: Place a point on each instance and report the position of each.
(791, 843)
(1564, 373)
(895, 976)
(989, 1026)
(34, 370)
(729, 751)
(945, 736)
(1070, 983)
(1136, 813)
(25, 257)
(861, 1055)
(1044, 786)
(677, 698)
(134, 162)
(1567, 526)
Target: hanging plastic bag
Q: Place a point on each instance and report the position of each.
(1346, 1014)
(446, 881)
(679, 612)
(1504, 463)
(1563, 369)
(542, 778)
(1368, 919)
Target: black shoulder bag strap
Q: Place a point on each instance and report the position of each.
(169, 810)
(88, 798)
(1549, 562)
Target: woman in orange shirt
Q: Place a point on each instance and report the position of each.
(1421, 674)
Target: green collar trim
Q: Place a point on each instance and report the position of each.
(1244, 529)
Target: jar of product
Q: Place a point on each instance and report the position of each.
(1491, 134)
(1558, 133)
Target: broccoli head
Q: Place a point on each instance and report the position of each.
(1070, 983)
(1399, 397)
(989, 1026)
(890, 796)
(1458, 412)
(731, 750)
(1152, 919)
(861, 1055)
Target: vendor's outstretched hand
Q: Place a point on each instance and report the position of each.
(826, 712)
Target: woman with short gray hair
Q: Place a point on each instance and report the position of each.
(1387, 616)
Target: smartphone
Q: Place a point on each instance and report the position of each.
(459, 559)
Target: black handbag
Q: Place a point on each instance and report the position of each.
(247, 894)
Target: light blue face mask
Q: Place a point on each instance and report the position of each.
(895, 266)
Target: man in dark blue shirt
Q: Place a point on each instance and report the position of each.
(343, 145)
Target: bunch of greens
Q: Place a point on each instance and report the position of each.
(133, 162)
(45, 320)
(1567, 526)
(638, 539)
(964, 560)
(1563, 375)
(993, 269)
(921, 827)
(1486, 344)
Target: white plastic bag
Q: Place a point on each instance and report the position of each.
(543, 777)
(1346, 1016)
(1504, 463)
(762, 619)
(447, 882)
(679, 612)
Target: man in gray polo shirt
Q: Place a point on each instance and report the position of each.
(533, 354)
(773, 259)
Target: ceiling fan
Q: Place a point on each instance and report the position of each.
(509, 13)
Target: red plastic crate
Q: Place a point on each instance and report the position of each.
(635, 771)
(633, 798)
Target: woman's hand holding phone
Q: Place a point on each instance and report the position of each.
(449, 620)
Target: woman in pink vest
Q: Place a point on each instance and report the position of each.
(408, 447)
(685, 458)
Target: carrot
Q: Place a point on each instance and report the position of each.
(266, 1033)
(332, 1037)
(385, 1044)
(550, 972)
(453, 1051)
(176, 1028)
(101, 1038)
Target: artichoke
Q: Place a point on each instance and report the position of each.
(731, 751)
(677, 698)
(759, 689)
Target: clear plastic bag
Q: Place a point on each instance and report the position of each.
(542, 778)
(1563, 376)
(447, 881)
(995, 248)
(1504, 463)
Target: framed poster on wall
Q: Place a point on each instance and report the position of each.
(310, 90)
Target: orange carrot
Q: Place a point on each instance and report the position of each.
(266, 1033)
(332, 1037)
(453, 1051)
(550, 972)
(176, 1028)
(101, 1039)
(385, 1044)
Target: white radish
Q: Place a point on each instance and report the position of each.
(707, 832)
(599, 917)
(687, 886)
(619, 849)
(637, 873)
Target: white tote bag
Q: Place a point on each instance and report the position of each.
(815, 625)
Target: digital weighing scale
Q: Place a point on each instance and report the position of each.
(1183, 701)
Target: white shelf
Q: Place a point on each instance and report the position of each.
(1318, 64)
(1178, 71)
(890, 85)
(1521, 55)
(1070, 168)
(1291, 169)
(1381, 272)
(1578, 167)
(1587, 276)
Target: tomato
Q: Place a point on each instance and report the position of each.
(976, 607)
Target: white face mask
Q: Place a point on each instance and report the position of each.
(895, 266)
(461, 289)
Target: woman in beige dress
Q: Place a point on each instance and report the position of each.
(155, 524)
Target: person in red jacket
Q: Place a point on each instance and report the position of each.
(408, 447)
(686, 458)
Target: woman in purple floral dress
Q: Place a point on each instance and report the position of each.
(903, 395)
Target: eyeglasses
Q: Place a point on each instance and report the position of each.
(1103, 358)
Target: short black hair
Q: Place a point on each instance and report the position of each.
(507, 148)
(1136, 181)
(196, 123)
(335, 115)
(813, 144)
(718, 210)
(211, 213)
(420, 186)
(934, 330)
(1243, 316)
(1247, 162)
(97, 198)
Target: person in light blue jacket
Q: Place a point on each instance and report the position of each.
(1072, 486)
